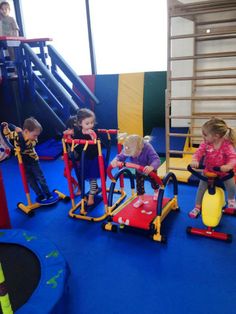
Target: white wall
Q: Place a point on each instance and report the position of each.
(185, 47)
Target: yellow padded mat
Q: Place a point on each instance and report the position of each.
(130, 103)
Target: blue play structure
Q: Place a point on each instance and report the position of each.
(41, 83)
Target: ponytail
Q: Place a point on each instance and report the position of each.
(231, 136)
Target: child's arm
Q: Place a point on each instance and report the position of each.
(15, 28)
(148, 169)
(226, 168)
(18, 130)
(93, 134)
(7, 132)
(194, 163)
(197, 156)
(119, 158)
(114, 163)
(69, 132)
(153, 159)
(231, 156)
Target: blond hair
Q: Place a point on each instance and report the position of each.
(133, 144)
(219, 126)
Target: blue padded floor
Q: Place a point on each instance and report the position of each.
(114, 273)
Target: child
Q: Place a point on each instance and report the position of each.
(26, 141)
(142, 153)
(84, 130)
(71, 125)
(218, 150)
(8, 25)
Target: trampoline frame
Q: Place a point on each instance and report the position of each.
(54, 272)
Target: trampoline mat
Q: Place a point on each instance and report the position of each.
(22, 273)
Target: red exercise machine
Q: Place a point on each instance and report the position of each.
(148, 217)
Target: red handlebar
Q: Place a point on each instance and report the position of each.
(140, 168)
(109, 131)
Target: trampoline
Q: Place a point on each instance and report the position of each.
(35, 273)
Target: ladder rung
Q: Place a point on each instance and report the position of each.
(205, 77)
(182, 135)
(204, 116)
(226, 32)
(210, 98)
(206, 55)
(180, 152)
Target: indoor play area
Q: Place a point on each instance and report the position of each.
(59, 254)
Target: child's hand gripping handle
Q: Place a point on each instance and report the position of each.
(196, 173)
(205, 178)
(228, 176)
(111, 166)
(134, 166)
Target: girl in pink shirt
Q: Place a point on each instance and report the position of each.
(217, 150)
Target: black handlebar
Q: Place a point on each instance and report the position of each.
(199, 175)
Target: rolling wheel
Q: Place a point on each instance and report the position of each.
(19, 204)
(164, 239)
(72, 216)
(152, 229)
(109, 219)
(189, 230)
(107, 226)
(31, 213)
(103, 226)
(229, 238)
(25, 210)
(114, 228)
(66, 199)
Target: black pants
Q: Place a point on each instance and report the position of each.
(140, 183)
(35, 177)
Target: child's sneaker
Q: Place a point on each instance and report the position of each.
(49, 196)
(232, 203)
(155, 195)
(194, 212)
(41, 198)
(139, 203)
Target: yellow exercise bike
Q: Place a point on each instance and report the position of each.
(213, 204)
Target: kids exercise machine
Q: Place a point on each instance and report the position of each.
(213, 204)
(147, 217)
(81, 210)
(30, 206)
(5, 152)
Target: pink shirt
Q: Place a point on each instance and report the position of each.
(224, 155)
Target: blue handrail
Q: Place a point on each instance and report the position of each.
(47, 78)
(44, 71)
(58, 61)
